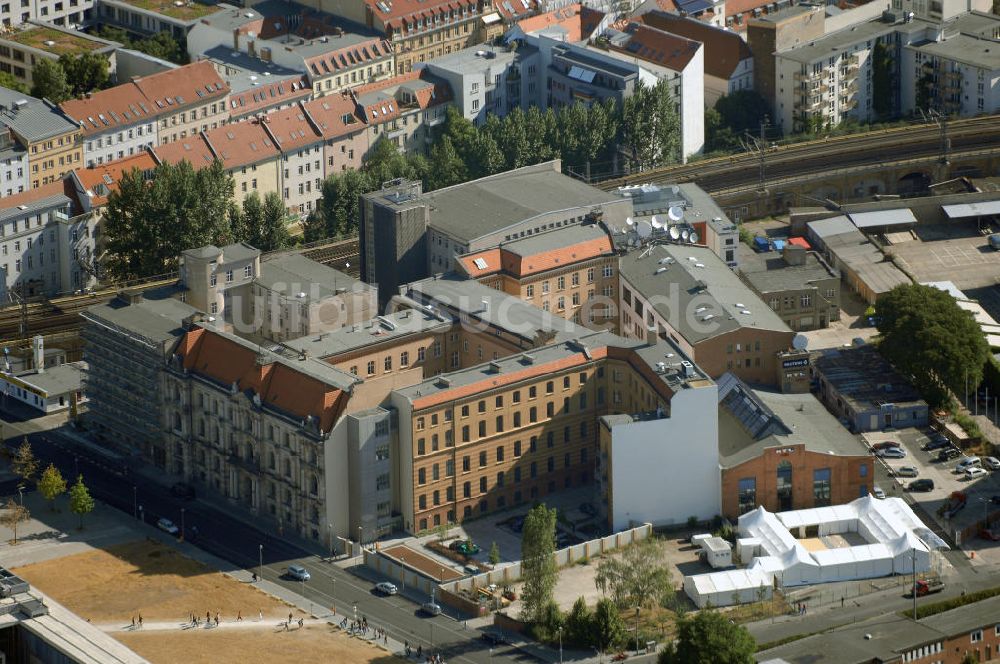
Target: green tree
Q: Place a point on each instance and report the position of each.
(385, 162)
(273, 233)
(639, 576)
(708, 637)
(494, 554)
(85, 72)
(538, 566)
(970, 658)
(147, 223)
(314, 227)
(25, 463)
(11, 83)
(580, 624)
(80, 501)
(446, 167)
(609, 628)
(743, 111)
(14, 513)
(550, 620)
(52, 485)
(931, 340)
(163, 45)
(882, 84)
(650, 126)
(48, 81)
(718, 137)
(339, 203)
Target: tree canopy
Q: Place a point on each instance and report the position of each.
(8, 81)
(148, 222)
(538, 567)
(51, 485)
(638, 576)
(931, 340)
(48, 81)
(162, 45)
(85, 72)
(80, 501)
(708, 637)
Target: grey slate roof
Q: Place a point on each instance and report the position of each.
(34, 207)
(34, 121)
(157, 318)
(555, 239)
(769, 273)
(752, 420)
(699, 279)
(293, 273)
(863, 378)
(353, 337)
(58, 379)
(465, 297)
(474, 209)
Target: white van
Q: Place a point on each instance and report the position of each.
(968, 462)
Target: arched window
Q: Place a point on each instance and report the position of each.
(313, 485)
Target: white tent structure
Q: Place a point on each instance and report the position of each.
(896, 542)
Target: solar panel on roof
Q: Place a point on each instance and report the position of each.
(480, 263)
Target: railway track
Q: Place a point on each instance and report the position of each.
(735, 172)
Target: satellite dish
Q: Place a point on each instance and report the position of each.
(645, 229)
(629, 221)
(693, 238)
(800, 341)
(675, 213)
(656, 223)
(674, 232)
(685, 234)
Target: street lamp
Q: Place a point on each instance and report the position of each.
(260, 560)
(637, 630)
(402, 574)
(142, 516)
(20, 490)
(182, 524)
(329, 530)
(560, 645)
(359, 535)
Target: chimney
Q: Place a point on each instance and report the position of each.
(688, 369)
(38, 352)
(652, 337)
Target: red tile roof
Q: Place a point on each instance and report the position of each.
(516, 8)
(185, 86)
(268, 95)
(278, 384)
(426, 96)
(724, 49)
(491, 257)
(657, 46)
(400, 12)
(32, 195)
(192, 149)
(102, 179)
(349, 57)
(121, 106)
(519, 265)
(578, 21)
(290, 129)
(330, 112)
(241, 144)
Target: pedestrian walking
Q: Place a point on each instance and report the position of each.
(216, 619)
(239, 616)
(133, 622)
(841, 601)
(301, 622)
(289, 617)
(208, 616)
(286, 626)
(140, 621)
(260, 615)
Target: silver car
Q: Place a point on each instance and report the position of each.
(298, 572)
(906, 471)
(431, 609)
(386, 588)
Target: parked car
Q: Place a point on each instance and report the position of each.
(968, 462)
(906, 471)
(467, 548)
(975, 472)
(167, 526)
(924, 484)
(182, 490)
(431, 609)
(992, 463)
(298, 572)
(948, 454)
(936, 443)
(891, 453)
(886, 444)
(878, 492)
(386, 588)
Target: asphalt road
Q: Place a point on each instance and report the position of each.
(240, 544)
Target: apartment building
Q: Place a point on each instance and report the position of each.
(301, 145)
(404, 109)
(13, 163)
(728, 62)
(152, 17)
(333, 54)
(785, 452)
(25, 44)
(420, 234)
(52, 141)
(693, 298)
(116, 123)
(344, 130)
(572, 272)
(91, 186)
(69, 13)
(256, 86)
(420, 31)
(491, 80)
(798, 285)
(216, 281)
(780, 31)
(189, 99)
(574, 23)
(43, 249)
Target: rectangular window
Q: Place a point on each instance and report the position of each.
(748, 494)
(821, 487)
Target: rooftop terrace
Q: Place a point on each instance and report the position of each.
(54, 41)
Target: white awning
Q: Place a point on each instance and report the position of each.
(966, 210)
(492, 18)
(898, 217)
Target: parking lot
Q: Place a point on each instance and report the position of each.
(977, 492)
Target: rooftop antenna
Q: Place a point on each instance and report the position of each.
(675, 213)
(644, 229)
(675, 233)
(693, 237)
